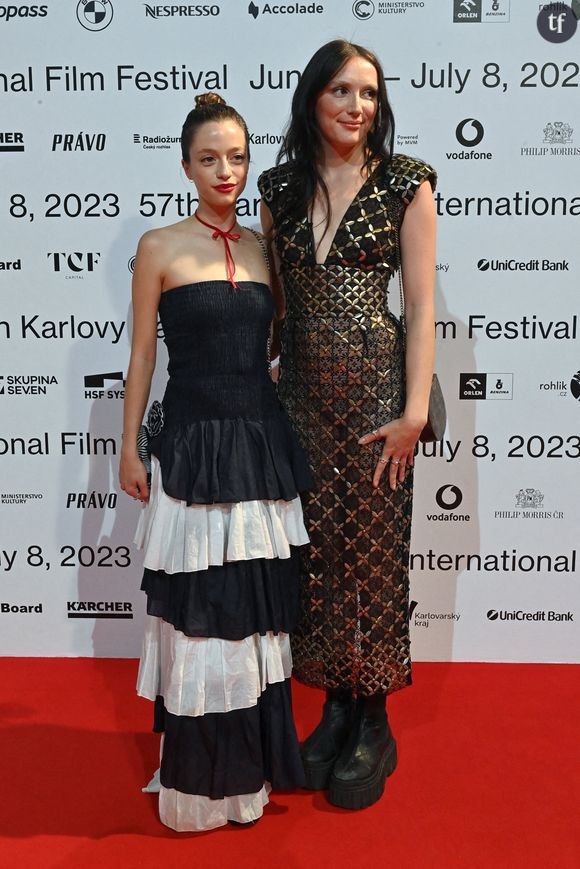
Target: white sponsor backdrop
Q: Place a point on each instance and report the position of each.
(491, 104)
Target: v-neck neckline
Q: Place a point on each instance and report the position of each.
(339, 224)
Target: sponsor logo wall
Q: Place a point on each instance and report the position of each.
(90, 159)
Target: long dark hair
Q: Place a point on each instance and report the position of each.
(302, 145)
(209, 107)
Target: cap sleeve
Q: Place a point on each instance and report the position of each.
(405, 174)
(273, 185)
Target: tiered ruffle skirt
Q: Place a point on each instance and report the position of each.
(221, 579)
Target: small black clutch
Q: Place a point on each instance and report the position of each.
(437, 416)
(151, 428)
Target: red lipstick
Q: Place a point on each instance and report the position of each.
(225, 188)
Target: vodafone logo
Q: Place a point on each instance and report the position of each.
(469, 132)
(449, 497)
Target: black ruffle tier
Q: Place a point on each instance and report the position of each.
(229, 601)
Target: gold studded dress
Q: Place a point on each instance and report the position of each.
(342, 374)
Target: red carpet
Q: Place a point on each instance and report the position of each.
(488, 776)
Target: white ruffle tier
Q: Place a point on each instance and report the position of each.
(186, 813)
(177, 538)
(199, 675)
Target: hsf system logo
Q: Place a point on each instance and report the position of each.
(95, 385)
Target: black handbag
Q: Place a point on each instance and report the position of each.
(151, 428)
(437, 415)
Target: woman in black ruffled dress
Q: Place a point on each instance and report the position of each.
(222, 526)
(342, 209)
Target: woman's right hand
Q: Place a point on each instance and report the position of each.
(133, 476)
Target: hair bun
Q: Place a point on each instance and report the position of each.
(209, 99)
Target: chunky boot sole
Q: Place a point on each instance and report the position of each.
(367, 791)
(317, 775)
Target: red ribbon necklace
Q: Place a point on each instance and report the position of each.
(227, 236)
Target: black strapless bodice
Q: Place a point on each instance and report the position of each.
(226, 437)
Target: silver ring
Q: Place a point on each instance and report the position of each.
(395, 462)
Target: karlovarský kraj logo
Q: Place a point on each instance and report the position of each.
(94, 14)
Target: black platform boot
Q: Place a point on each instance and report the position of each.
(323, 746)
(368, 757)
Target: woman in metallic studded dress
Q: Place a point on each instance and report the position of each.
(341, 210)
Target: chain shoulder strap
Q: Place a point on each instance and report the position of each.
(260, 239)
(401, 290)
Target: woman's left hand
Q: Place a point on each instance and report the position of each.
(399, 439)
